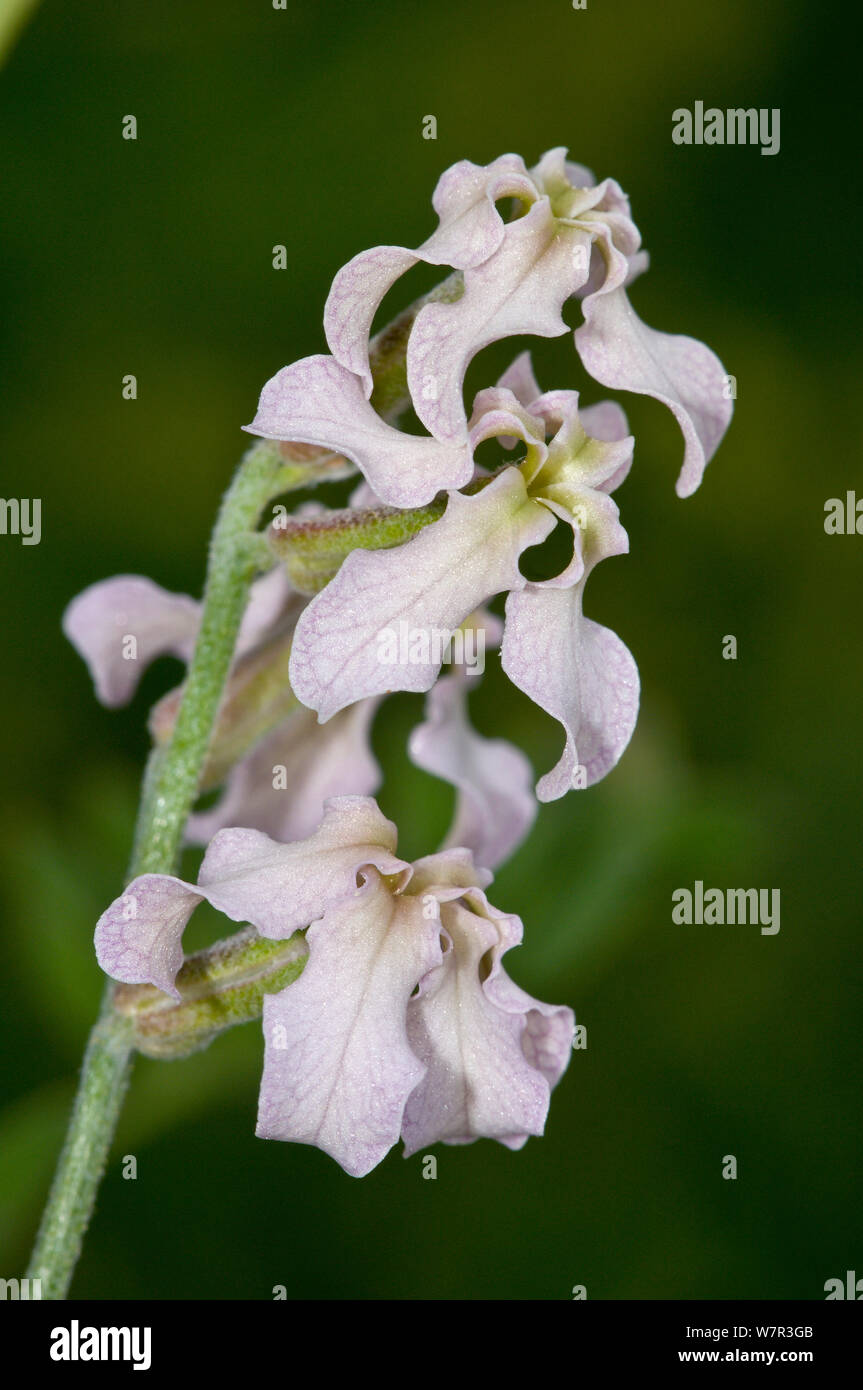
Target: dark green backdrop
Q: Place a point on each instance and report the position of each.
(303, 127)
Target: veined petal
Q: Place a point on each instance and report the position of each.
(480, 1081)
(580, 673)
(520, 289)
(282, 785)
(470, 230)
(338, 1068)
(495, 807)
(622, 352)
(139, 937)
(318, 401)
(122, 624)
(384, 622)
(280, 888)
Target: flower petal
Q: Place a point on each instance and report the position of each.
(580, 673)
(139, 937)
(383, 622)
(622, 352)
(318, 401)
(338, 1068)
(481, 1081)
(554, 171)
(520, 380)
(495, 807)
(280, 888)
(605, 420)
(470, 230)
(574, 453)
(548, 1028)
(101, 620)
(446, 874)
(282, 785)
(353, 301)
(596, 531)
(520, 289)
(271, 600)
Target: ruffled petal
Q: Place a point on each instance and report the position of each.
(520, 289)
(481, 1079)
(580, 673)
(318, 401)
(353, 300)
(122, 624)
(280, 888)
(384, 622)
(282, 785)
(495, 807)
(139, 937)
(597, 532)
(338, 1067)
(575, 454)
(549, 1029)
(622, 352)
(446, 874)
(605, 420)
(470, 230)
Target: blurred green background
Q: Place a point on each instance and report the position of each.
(303, 127)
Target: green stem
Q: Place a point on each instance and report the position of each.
(104, 1078)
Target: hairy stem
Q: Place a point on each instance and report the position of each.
(104, 1078)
